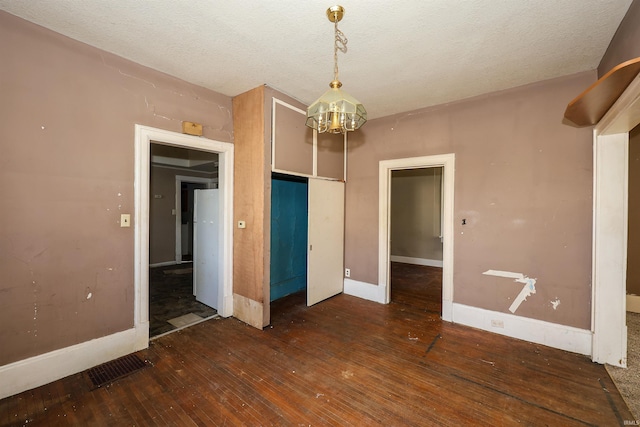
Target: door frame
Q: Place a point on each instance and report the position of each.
(447, 162)
(610, 211)
(144, 137)
(190, 180)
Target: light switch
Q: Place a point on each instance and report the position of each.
(242, 224)
(125, 220)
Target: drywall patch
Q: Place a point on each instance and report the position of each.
(528, 288)
(555, 303)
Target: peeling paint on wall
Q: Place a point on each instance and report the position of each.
(528, 288)
(555, 303)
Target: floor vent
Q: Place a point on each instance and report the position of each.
(109, 372)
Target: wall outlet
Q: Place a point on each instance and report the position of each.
(347, 272)
(497, 324)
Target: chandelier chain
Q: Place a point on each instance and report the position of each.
(340, 44)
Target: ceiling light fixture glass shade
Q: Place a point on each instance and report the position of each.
(336, 111)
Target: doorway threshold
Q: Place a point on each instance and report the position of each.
(204, 319)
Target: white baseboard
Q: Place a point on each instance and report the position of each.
(546, 333)
(163, 264)
(364, 290)
(633, 303)
(227, 306)
(416, 261)
(45, 368)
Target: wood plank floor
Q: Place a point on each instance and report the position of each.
(344, 361)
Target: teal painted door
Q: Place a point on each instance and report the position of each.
(289, 219)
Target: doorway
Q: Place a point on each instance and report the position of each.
(306, 237)
(176, 173)
(633, 242)
(144, 138)
(610, 210)
(627, 379)
(415, 227)
(288, 242)
(386, 167)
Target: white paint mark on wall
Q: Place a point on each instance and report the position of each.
(518, 222)
(89, 295)
(528, 288)
(555, 303)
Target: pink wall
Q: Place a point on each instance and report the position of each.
(625, 44)
(523, 182)
(67, 121)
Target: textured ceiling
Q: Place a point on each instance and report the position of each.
(402, 55)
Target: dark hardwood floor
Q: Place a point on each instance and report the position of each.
(418, 286)
(344, 361)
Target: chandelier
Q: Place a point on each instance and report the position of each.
(336, 111)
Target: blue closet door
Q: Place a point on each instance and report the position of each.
(288, 237)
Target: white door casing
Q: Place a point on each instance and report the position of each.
(144, 136)
(207, 265)
(610, 183)
(447, 162)
(326, 240)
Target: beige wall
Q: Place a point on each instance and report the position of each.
(625, 45)
(633, 248)
(415, 213)
(523, 182)
(67, 121)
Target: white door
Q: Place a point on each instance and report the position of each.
(326, 240)
(207, 260)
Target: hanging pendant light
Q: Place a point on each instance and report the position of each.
(336, 111)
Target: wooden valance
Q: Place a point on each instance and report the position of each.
(591, 105)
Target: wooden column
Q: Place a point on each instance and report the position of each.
(251, 205)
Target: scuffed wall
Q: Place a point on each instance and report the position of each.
(67, 121)
(523, 183)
